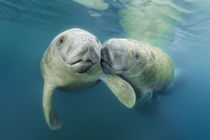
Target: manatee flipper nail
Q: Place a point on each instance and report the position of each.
(121, 89)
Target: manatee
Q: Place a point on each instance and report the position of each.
(71, 63)
(146, 68)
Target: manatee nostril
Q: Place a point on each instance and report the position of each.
(97, 41)
(105, 54)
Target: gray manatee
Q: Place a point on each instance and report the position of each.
(72, 62)
(146, 68)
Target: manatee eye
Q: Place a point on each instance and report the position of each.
(137, 56)
(61, 40)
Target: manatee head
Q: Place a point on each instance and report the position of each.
(119, 55)
(78, 49)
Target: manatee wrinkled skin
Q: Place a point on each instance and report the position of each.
(148, 69)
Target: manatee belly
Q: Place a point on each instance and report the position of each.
(78, 88)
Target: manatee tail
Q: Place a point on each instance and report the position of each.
(51, 116)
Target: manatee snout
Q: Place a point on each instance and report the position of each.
(82, 52)
(113, 57)
(82, 60)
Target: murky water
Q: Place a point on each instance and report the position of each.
(180, 27)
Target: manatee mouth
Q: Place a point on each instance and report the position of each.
(82, 66)
(109, 69)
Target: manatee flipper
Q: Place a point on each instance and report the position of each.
(145, 98)
(121, 89)
(49, 110)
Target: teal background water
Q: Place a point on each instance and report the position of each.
(27, 28)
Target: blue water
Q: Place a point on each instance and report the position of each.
(27, 28)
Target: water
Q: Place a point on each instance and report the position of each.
(26, 29)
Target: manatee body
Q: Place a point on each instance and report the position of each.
(71, 62)
(146, 68)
